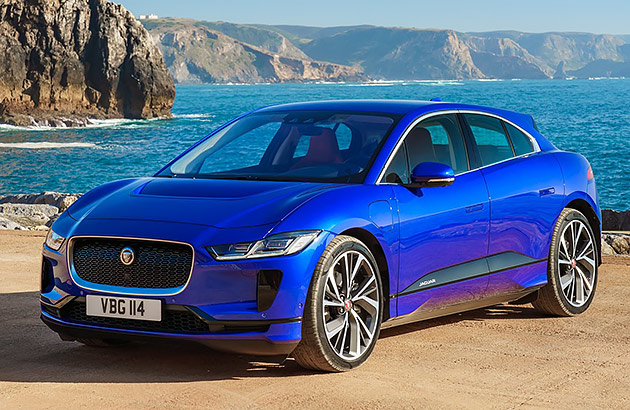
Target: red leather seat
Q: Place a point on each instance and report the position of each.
(322, 149)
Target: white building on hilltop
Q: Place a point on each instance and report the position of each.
(148, 16)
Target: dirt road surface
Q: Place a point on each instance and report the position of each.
(500, 357)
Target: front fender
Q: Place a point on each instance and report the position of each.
(371, 208)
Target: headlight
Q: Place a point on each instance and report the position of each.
(54, 240)
(275, 245)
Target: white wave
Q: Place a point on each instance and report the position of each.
(121, 122)
(323, 82)
(489, 80)
(92, 123)
(193, 116)
(371, 85)
(606, 78)
(7, 127)
(46, 145)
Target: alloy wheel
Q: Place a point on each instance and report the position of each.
(350, 305)
(576, 263)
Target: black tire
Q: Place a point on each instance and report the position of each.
(103, 342)
(314, 351)
(551, 298)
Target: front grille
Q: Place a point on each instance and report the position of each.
(156, 265)
(175, 319)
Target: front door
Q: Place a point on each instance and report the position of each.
(443, 230)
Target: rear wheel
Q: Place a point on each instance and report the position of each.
(572, 267)
(343, 311)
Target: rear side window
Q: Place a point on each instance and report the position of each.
(521, 142)
(492, 142)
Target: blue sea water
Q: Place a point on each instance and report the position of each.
(587, 116)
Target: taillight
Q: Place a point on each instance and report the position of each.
(589, 174)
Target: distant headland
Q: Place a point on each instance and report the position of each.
(221, 52)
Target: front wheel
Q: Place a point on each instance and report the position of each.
(343, 311)
(572, 268)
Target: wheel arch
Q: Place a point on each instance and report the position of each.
(375, 247)
(593, 219)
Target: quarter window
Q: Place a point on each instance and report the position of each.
(521, 142)
(492, 142)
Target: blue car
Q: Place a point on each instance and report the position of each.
(304, 229)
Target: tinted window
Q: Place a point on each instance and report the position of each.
(490, 137)
(520, 142)
(437, 139)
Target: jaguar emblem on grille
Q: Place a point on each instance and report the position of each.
(127, 256)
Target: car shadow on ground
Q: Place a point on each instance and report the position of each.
(30, 352)
(489, 313)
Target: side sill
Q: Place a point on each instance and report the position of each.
(419, 314)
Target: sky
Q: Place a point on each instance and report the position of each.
(600, 16)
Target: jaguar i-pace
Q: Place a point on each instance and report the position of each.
(304, 229)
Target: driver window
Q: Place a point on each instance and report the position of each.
(437, 139)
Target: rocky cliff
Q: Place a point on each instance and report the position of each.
(414, 54)
(196, 52)
(220, 52)
(64, 61)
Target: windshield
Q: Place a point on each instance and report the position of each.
(317, 146)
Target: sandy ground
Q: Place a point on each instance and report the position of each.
(500, 357)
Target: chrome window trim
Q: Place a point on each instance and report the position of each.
(532, 140)
(108, 288)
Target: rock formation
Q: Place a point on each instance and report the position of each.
(33, 211)
(64, 61)
(615, 221)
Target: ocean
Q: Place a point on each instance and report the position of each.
(591, 117)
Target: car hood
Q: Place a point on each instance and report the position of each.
(217, 203)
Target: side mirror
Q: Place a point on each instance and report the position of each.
(430, 174)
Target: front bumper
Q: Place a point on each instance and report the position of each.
(223, 295)
(279, 339)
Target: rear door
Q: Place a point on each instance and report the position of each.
(526, 195)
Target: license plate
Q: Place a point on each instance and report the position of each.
(124, 308)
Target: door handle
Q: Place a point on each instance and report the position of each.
(474, 208)
(547, 191)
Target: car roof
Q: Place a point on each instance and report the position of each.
(412, 108)
(384, 106)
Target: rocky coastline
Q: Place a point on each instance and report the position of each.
(66, 61)
(37, 212)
